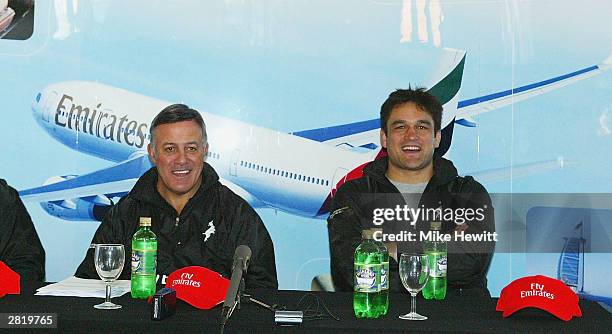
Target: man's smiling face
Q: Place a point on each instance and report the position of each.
(178, 153)
(410, 141)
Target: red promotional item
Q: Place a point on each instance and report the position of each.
(9, 281)
(198, 286)
(542, 292)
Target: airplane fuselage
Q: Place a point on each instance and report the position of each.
(268, 168)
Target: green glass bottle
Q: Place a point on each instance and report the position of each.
(367, 264)
(437, 255)
(383, 294)
(144, 261)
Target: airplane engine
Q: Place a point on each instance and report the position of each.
(77, 209)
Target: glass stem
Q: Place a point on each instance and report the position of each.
(413, 303)
(108, 293)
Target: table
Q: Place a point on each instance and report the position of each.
(458, 313)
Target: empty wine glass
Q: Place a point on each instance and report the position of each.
(109, 260)
(414, 272)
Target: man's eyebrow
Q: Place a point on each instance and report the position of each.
(424, 121)
(195, 142)
(421, 121)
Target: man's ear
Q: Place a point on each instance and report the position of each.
(151, 152)
(383, 138)
(205, 151)
(438, 138)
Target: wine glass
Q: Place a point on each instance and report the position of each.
(109, 260)
(414, 272)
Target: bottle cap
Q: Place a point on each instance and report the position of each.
(145, 221)
(367, 234)
(436, 226)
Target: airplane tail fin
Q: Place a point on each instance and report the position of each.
(447, 91)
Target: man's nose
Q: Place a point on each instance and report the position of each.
(182, 156)
(410, 133)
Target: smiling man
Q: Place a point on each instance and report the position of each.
(409, 179)
(197, 220)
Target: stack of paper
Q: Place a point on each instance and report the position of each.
(79, 287)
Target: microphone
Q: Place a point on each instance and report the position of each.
(242, 257)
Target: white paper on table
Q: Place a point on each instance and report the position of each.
(80, 287)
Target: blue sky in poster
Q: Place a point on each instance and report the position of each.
(294, 65)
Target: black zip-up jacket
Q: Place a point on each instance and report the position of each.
(20, 247)
(188, 239)
(352, 212)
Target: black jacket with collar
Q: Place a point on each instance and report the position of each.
(20, 247)
(213, 223)
(352, 212)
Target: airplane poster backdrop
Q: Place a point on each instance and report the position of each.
(291, 92)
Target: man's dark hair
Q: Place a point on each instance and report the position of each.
(420, 97)
(178, 113)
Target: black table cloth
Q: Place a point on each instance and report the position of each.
(458, 313)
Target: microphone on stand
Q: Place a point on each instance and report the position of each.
(242, 257)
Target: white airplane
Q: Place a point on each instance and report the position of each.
(295, 173)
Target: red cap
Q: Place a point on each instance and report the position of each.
(198, 286)
(542, 292)
(9, 281)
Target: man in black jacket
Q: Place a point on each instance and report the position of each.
(20, 248)
(197, 220)
(410, 177)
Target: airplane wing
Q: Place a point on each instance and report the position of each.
(362, 134)
(482, 104)
(117, 179)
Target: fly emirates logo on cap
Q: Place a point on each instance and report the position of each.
(542, 292)
(198, 286)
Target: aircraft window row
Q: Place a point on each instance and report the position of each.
(283, 173)
(122, 130)
(213, 155)
(74, 116)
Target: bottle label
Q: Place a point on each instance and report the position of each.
(144, 262)
(384, 276)
(367, 277)
(437, 265)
